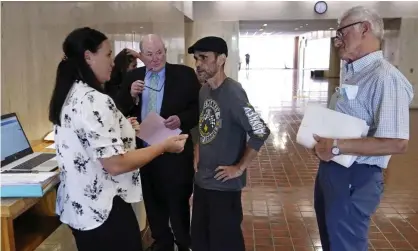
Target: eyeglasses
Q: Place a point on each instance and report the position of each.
(157, 54)
(340, 33)
(156, 90)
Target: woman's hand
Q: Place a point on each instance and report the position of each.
(134, 54)
(191, 201)
(175, 144)
(135, 125)
(196, 157)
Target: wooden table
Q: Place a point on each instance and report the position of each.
(27, 222)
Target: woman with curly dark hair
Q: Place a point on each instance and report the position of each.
(125, 61)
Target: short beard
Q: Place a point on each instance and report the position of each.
(201, 79)
(205, 77)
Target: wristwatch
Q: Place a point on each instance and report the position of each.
(335, 150)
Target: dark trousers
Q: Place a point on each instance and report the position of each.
(167, 201)
(345, 199)
(216, 221)
(120, 230)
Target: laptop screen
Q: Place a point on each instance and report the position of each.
(14, 144)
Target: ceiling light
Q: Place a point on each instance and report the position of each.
(261, 29)
(296, 29)
(301, 26)
(264, 25)
(331, 28)
(141, 27)
(306, 24)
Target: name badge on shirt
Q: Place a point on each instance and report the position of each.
(349, 90)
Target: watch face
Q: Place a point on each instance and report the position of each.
(321, 7)
(335, 151)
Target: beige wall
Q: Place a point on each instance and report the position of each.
(173, 36)
(32, 35)
(227, 30)
(30, 53)
(408, 53)
(390, 46)
(186, 7)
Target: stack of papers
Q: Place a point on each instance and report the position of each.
(26, 184)
(328, 123)
(25, 178)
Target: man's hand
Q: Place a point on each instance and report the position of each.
(135, 125)
(137, 87)
(323, 149)
(225, 173)
(173, 122)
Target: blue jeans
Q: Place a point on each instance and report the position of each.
(345, 199)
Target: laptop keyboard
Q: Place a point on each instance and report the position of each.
(34, 162)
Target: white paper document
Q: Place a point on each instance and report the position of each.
(50, 136)
(328, 123)
(25, 178)
(153, 130)
(51, 146)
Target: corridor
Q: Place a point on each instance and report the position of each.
(278, 202)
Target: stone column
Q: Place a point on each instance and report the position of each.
(408, 53)
(228, 30)
(334, 70)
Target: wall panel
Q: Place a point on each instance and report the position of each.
(32, 36)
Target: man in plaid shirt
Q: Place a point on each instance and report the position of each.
(373, 90)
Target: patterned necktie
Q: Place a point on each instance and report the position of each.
(152, 97)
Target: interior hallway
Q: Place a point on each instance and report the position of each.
(278, 201)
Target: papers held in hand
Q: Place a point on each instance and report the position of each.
(328, 123)
(153, 130)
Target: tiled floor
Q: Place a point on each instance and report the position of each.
(278, 202)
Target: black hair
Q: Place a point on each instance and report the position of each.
(73, 67)
(120, 68)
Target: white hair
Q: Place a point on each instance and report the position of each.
(151, 38)
(361, 14)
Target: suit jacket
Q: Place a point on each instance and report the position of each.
(181, 98)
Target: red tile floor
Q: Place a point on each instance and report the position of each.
(278, 201)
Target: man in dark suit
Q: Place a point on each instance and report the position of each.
(172, 91)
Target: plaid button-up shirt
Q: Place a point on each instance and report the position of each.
(382, 100)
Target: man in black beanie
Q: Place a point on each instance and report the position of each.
(223, 153)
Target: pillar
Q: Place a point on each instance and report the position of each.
(296, 54)
(228, 30)
(334, 70)
(334, 62)
(188, 40)
(408, 53)
(173, 35)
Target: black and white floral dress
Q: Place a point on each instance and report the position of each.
(92, 128)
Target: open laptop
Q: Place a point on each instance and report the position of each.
(16, 152)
